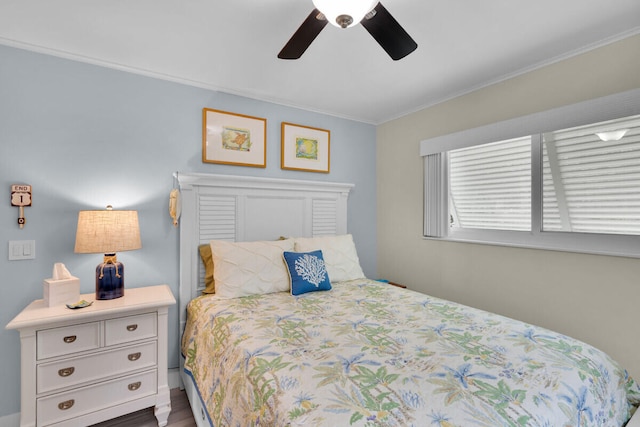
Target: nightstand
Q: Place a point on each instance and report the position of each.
(80, 367)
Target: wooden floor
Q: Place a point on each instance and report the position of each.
(180, 415)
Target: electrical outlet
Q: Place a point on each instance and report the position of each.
(22, 249)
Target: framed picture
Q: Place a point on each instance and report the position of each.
(233, 139)
(305, 148)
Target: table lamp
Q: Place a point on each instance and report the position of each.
(107, 232)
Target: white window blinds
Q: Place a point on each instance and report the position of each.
(435, 195)
(490, 186)
(590, 185)
(572, 184)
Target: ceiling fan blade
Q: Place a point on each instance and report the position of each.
(388, 33)
(303, 37)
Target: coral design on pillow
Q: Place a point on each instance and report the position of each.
(311, 268)
(307, 272)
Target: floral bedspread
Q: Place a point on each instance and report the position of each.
(370, 354)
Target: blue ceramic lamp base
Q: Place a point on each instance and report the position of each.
(109, 278)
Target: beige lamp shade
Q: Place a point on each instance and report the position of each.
(107, 232)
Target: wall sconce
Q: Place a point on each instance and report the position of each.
(108, 232)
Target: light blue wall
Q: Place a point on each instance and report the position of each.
(85, 136)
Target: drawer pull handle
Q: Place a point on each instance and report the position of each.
(134, 356)
(132, 328)
(69, 339)
(134, 386)
(63, 406)
(65, 372)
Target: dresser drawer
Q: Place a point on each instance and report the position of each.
(93, 367)
(67, 340)
(81, 401)
(131, 328)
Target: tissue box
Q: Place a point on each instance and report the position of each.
(63, 291)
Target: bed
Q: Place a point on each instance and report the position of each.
(355, 351)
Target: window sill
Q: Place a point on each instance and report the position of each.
(609, 245)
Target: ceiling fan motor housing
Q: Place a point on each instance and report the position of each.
(344, 13)
(344, 20)
(374, 17)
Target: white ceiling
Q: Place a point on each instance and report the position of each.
(231, 45)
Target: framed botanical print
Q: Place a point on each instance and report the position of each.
(233, 139)
(305, 148)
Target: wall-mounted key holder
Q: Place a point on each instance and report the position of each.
(21, 197)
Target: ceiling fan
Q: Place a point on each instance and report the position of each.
(374, 18)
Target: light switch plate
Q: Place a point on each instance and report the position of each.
(22, 249)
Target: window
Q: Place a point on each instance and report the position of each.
(576, 188)
(590, 185)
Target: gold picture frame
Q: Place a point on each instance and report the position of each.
(305, 148)
(233, 139)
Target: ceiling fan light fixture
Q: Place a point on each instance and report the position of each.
(344, 14)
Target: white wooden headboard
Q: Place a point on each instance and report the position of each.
(242, 208)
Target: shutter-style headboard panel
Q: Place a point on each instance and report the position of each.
(242, 208)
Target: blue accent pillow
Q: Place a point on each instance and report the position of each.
(307, 272)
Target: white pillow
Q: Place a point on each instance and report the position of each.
(249, 268)
(340, 255)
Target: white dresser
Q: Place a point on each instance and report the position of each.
(80, 367)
